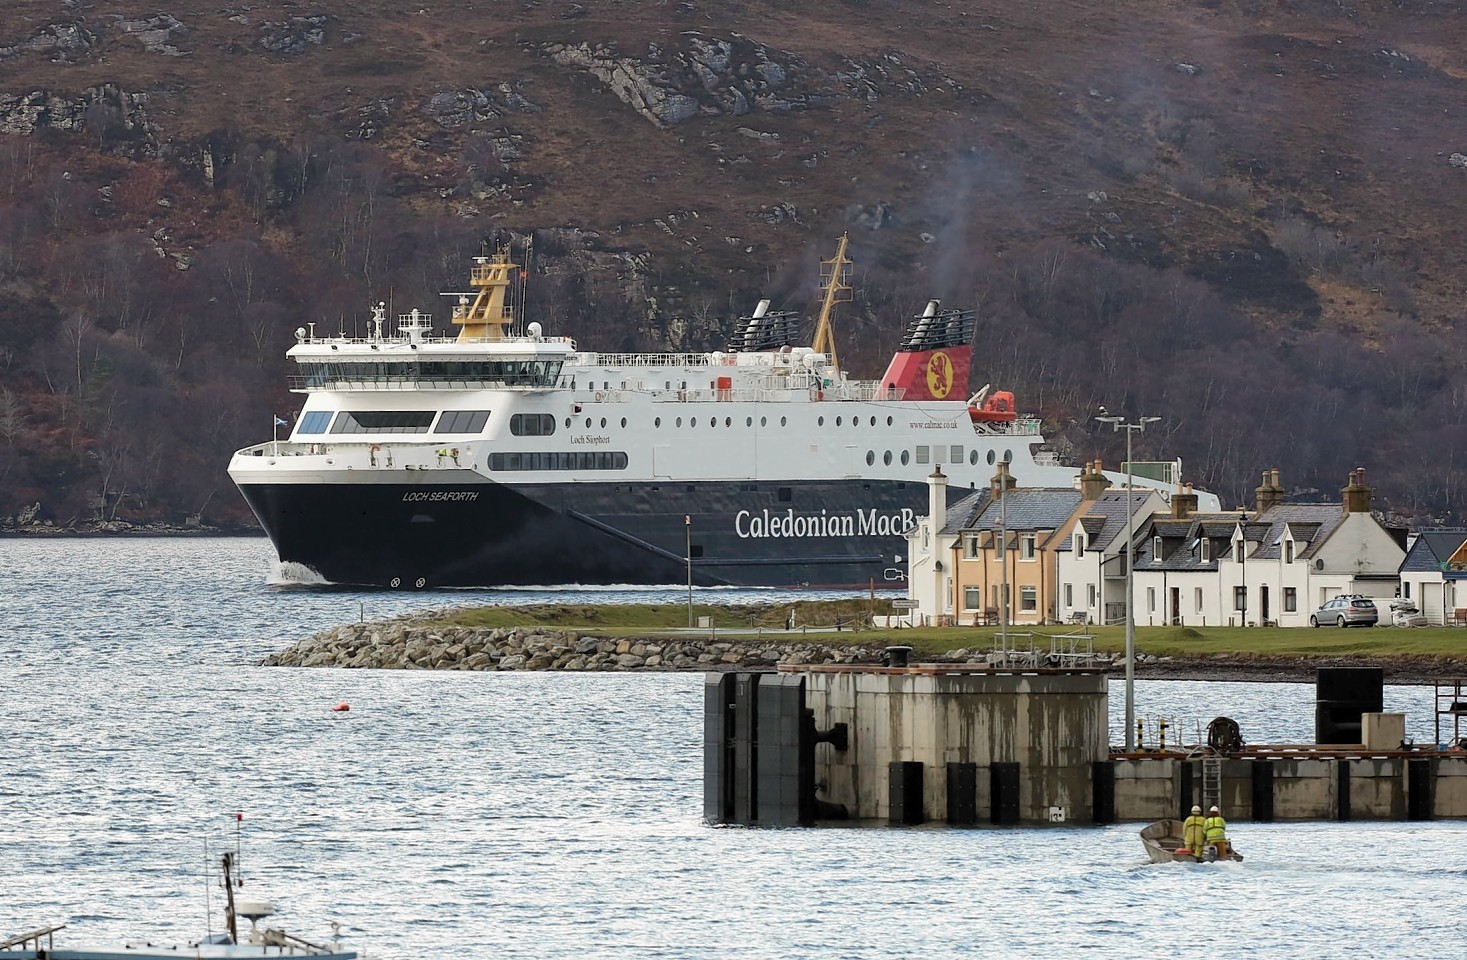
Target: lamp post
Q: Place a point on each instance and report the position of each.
(1243, 562)
(1119, 423)
(688, 555)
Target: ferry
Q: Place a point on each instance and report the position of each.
(504, 455)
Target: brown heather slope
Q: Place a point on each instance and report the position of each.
(1193, 208)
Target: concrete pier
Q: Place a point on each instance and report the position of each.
(967, 744)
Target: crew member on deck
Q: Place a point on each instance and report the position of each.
(1216, 830)
(1194, 831)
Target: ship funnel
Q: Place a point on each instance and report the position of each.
(935, 354)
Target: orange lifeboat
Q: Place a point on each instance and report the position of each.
(998, 408)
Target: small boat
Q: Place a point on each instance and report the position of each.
(1163, 843)
(37, 944)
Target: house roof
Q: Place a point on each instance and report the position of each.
(960, 515)
(1105, 520)
(1309, 524)
(1432, 549)
(1028, 508)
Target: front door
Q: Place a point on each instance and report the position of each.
(1263, 604)
(1175, 605)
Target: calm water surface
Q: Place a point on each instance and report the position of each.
(547, 815)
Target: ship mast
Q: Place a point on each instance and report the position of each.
(488, 316)
(835, 275)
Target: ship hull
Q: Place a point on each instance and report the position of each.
(478, 533)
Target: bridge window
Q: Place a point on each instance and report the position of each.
(472, 421)
(383, 421)
(314, 422)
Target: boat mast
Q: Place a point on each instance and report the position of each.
(490, 314)
(835, 275)
(229, 921)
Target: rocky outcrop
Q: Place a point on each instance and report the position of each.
(156, 34)
(64, 42)
(402, 645)
(120, 113)
(709, 76)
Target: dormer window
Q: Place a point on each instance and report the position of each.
(1156, 548)
(1238, 548)
(1206, 547)
(1288, 551)
(1028, 544)
(1079, 546)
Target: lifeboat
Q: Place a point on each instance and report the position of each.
(998, 408)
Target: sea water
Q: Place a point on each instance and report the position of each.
(537, 815)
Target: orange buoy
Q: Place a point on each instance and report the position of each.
(341, 707)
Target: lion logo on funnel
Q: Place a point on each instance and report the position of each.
(939, 375)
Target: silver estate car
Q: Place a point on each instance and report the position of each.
(1346, 611)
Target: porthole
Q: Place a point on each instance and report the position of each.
(906, 457)
(873, 421)
(973, 457)
(783, 421)
(728, 421)
(870, 458)
(679, 421)
(888, 421)
(763, 421)
(623, 423)
(990, 458)
(588, 421)
(657, 422)
(712, 422)
(603, 423)
(1008, 457)
(886, 458)
(567, 423)
(837, 421)
(693, 422)
(748, 421)
(820, 422)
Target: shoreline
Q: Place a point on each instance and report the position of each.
(408, 644)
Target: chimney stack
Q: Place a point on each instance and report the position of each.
(1092, 482)
(1184, 502)
(1268, 494)
(1002, 480)
(937, 499)
(1357, 495)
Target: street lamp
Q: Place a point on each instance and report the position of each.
(1243, 561)
(1119, 423)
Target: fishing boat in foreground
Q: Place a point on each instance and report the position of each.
(38, 944)
(1164, 844)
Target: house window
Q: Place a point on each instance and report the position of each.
(1406, 589)
(1288, 551)
(1003, 601)
(1069, 596)
(970, 545)
(999, 542)
(1150, 599)
(1027, 544)
(972, 598)
(1240, 597)
(1090, 595)
(1029, 599)
(1206, 550)
(1079, 546)
(1291, 600)
(1156, 549)
(1198, 597)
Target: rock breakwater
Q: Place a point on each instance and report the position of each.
(399, 645)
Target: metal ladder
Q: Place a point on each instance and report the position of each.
(1211, 782)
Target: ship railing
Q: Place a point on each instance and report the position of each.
(304, 383)
(642, 359)
(408, 451)
(446, 340)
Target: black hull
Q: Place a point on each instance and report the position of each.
(830, 534)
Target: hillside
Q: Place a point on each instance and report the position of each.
(1244, 217)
